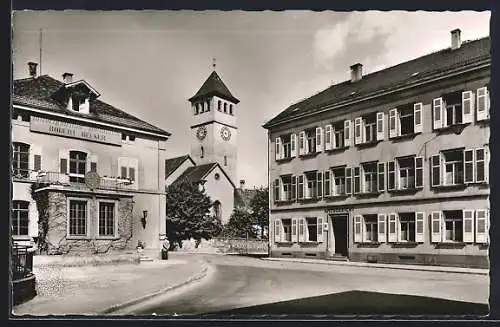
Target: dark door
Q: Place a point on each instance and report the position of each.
(340, 232)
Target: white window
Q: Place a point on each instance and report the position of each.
(339, 181)
(406, 176)
(483, 104)
(481, 166)
(453, 162)
(300, 187)
(310, 141)
(277, 231)
(278, 151)
(277, 188)
(283, 147)
(453, 226)
(294, 230)
(381, 176)
(347, 133)
(128, 170)
(437, 113)
(420, 227)
(329, 137)
(294, 188)
(311, 185)
(366, 128)
(302, 229)
(107, 219)
(391, 175)
(369, 179)
(468, 226)
(467, 107)
(357, 180)
(392, 227)
(286, 188)
(358, 228)
(381, 228)
(20, 218)
(406, 120)
(370, 228)
(293, 145)
(313, 229)
(319, 181)
(319, 139)
(453, 109)
(327, 185)
(77, 218)
(339, 135)
(77, 166)
(287, 230)
(20, 160)
(482, 226)
(348, 180)
(302, 143)
(406, 231)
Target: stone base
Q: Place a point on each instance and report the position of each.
(23, 289)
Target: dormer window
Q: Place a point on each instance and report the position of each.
(79, 95)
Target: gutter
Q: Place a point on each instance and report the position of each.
(486, 63)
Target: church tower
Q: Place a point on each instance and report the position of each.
(214, 131)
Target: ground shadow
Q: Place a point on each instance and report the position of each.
(363, 303)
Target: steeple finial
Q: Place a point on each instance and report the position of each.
(213, 63)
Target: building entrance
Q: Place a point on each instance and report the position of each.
(339, 226)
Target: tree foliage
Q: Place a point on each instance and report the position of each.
(241, 224)
(188, 214)
(260, 209)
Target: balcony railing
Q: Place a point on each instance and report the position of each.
(75, 181)
(22, 261)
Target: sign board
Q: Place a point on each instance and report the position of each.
(92, 180)
(61, 128)
(337, 211)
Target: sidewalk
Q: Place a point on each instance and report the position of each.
(459, 270)
(101, 289)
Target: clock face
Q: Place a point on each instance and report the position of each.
(201, 132)
(225, 133)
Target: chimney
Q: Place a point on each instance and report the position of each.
(67, 78)
(32, 68)
(356, 72)
(456, 41)
(242, 183)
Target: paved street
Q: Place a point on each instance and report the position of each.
(237, 282)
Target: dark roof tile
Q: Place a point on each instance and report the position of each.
(214, 86)
(196, 173)
(173, 163)
(400, 75)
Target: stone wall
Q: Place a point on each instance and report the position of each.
(226, 246)
(58, 241)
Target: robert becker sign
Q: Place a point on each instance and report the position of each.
(61, 128)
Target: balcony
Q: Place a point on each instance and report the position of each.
(74, 180)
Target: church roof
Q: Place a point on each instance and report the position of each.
(197, 174)
(214, 86)
(172, 164)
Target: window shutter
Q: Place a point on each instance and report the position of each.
(436, 170)
(320, 230)
(293, 145)
(63, 161)
(437, 112)
(328, 137)
(334, 140)
(276, 190)
(327, 185)
(93, 162)
(278, 148)
(358, 237)
(282, 189)
(357, 177)
(482, 106)
(348, 180)
(302, 145)
(301, 230)
(418, 126)
(294, 188)
(486, 164)
(277, 230)
(380, 126)
(393, 123)
(294, 230)
(319, 184)
(469, 166)
(347, 133)
(482, 226)
(467, 107)
(393, 228)
(419, 227)
(381, 228)
(468, 226)
(300, 187)
(319, 139)
(391, 175)
(419, 172)
(480, 166)
(35, 159)
(358, 136)
(436, 226)
(381, 176)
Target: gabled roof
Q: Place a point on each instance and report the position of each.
(214, 86)
(197, 174)
(46, 93)
(172, 164)
(404, 74)
(82, 82)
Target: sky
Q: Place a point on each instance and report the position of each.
(148, 63)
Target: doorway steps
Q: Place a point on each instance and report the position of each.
(337, 257)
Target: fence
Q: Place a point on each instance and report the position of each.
(22, 261)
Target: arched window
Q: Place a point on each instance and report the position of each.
(202, 152)
(77, 166)
(230, 109)
(219, 103)
(20, 159)
(217, 209)
(225, 107)
(225, 160)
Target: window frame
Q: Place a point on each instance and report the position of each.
(68, 218)
(16, 213)
(115, 219)
(18, 170)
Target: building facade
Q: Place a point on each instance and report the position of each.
(388, 167)
(87, 177)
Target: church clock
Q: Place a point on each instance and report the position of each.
(201, 132)
(225, 133)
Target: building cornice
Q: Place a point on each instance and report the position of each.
(90, 121)
(478, 66)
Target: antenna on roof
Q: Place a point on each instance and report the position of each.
(40, 54)
(213, 63)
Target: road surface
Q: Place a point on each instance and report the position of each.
(238, 282)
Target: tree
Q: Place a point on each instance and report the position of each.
(260, 209)
(241, 224)
(188, 214)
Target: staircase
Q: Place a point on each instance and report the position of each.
(337, 257)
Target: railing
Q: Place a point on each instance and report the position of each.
(76, 181)
(22, 261)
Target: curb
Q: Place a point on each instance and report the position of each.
(190, 280)
(383, 267)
